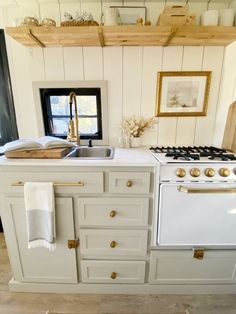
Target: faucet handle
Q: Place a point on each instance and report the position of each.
(90, 144)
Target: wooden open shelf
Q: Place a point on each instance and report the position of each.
(128, 35)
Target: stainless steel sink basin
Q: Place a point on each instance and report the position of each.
(92, 153)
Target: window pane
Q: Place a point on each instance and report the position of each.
(86, 125)
(60, 126)
(59, 105)
(86, 105)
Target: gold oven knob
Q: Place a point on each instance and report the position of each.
(113, 244)
(112, 213)
(113, 275)
(180, 172)
(209, 172)
(224, 172)
(195, 172)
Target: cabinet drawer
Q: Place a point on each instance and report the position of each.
(129, 182)
(113, 211)
(179, 267)
(113, 242)
(113, 271)
(91, 182)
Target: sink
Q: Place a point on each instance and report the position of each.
(92, 153)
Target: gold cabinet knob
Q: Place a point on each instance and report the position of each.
(112, 213)
(224, 172)
(113, 275)
(129, 183)
(209, 172)
(180, 172)
(113, 244)
(195, 172)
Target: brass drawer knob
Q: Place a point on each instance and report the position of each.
(113, 244)
(113, 275)
(129, 183)
(73, 244)
(198, 254)
(112, 213)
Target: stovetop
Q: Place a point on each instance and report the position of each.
(199, 154)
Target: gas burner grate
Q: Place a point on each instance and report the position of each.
(194, 153)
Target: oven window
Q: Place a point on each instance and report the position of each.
(56, 111)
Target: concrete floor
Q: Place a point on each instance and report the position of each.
(35, 303)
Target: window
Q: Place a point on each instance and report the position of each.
(53, 110)
(56, 111)
(8, 129)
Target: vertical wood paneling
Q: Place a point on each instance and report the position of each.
(152, 63)
(226, 92)
(154, 9)
(73, 63)
(54, 64)
(132, 80)
(71, 7)
(197, 8)
(50, 10)
(112, 59)
(218, 5)
(192, 61)
(94, 7)
(172, 61)
(213, 58)
(37, 70)
(93, 63)
(1, 18)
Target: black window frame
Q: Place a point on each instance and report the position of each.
(45, 94)
(8, 112)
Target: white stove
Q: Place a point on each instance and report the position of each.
(195, 163)
(196, 190)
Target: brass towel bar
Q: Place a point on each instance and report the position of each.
(204, 190)
(79, 183)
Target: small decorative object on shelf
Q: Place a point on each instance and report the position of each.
(176, 15)
(48, 22)
(30, 21)
(133, 128)
(84, 19)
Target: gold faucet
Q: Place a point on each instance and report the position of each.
(73, 130)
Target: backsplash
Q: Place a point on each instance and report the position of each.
(131, 73)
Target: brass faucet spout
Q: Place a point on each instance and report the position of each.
(73, 132)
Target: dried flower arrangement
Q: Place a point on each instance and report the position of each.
(135, 126)
(84, 19)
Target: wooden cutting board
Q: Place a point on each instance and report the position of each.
(229, 140)
(54, 153)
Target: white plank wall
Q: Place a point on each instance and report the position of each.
(131, 72)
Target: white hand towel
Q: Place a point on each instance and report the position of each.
(40, 214)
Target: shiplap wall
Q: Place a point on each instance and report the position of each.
(130, 72)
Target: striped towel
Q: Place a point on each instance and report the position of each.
(40, 214)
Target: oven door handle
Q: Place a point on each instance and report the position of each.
(204, 191)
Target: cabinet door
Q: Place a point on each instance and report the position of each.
(39, 264)
(179, 267)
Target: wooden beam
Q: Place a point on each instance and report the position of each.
(34, 38)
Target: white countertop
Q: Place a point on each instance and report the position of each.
(122, 157)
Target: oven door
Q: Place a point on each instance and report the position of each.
(197, 214)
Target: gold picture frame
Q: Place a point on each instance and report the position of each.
(182, 93)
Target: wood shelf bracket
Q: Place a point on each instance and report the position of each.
(101, 37)
(172, 34)
(34, 38)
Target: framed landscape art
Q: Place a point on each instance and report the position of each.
(182, 93)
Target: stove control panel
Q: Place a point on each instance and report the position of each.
(198, 173)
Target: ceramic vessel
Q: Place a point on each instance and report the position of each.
(226, 17)
(210, 18)
(135, 141)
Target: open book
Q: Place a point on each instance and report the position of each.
(44, 142)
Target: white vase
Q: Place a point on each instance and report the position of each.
(135, 141)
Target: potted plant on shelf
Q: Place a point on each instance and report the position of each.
(133, 127)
